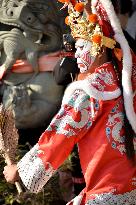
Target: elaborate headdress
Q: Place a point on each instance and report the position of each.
(87, 26)
(96, 21)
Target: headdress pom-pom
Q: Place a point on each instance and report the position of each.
(93, 18)
(79, 7)
(67, 20)
(97, 38)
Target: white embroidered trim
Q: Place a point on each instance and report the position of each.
(127, 60)
(127, 87)
(32, 171)
(85, 86)
(128, 198)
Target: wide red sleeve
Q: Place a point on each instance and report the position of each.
(55, 144)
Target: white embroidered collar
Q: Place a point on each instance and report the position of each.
(86, 85)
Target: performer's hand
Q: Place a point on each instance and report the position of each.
(10, 173)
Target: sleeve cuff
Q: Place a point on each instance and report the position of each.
(32, 171)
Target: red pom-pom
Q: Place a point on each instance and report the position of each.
(79, 7)
(93, 18)
(97, 38)
(66, 20)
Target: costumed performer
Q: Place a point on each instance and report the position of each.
(93, 114)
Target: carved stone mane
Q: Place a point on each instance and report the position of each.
(39, 25)
(40, 20)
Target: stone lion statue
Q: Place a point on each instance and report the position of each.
(30, 46)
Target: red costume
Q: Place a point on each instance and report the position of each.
(92, 116)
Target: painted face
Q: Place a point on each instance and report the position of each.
(84, 58)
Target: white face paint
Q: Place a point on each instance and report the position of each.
(84, 58)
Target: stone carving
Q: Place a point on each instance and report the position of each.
(14, 43)
(30, 29)
(34, 103)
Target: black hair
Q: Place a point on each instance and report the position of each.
(122, 6)
(125, 6)
(116, 5)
